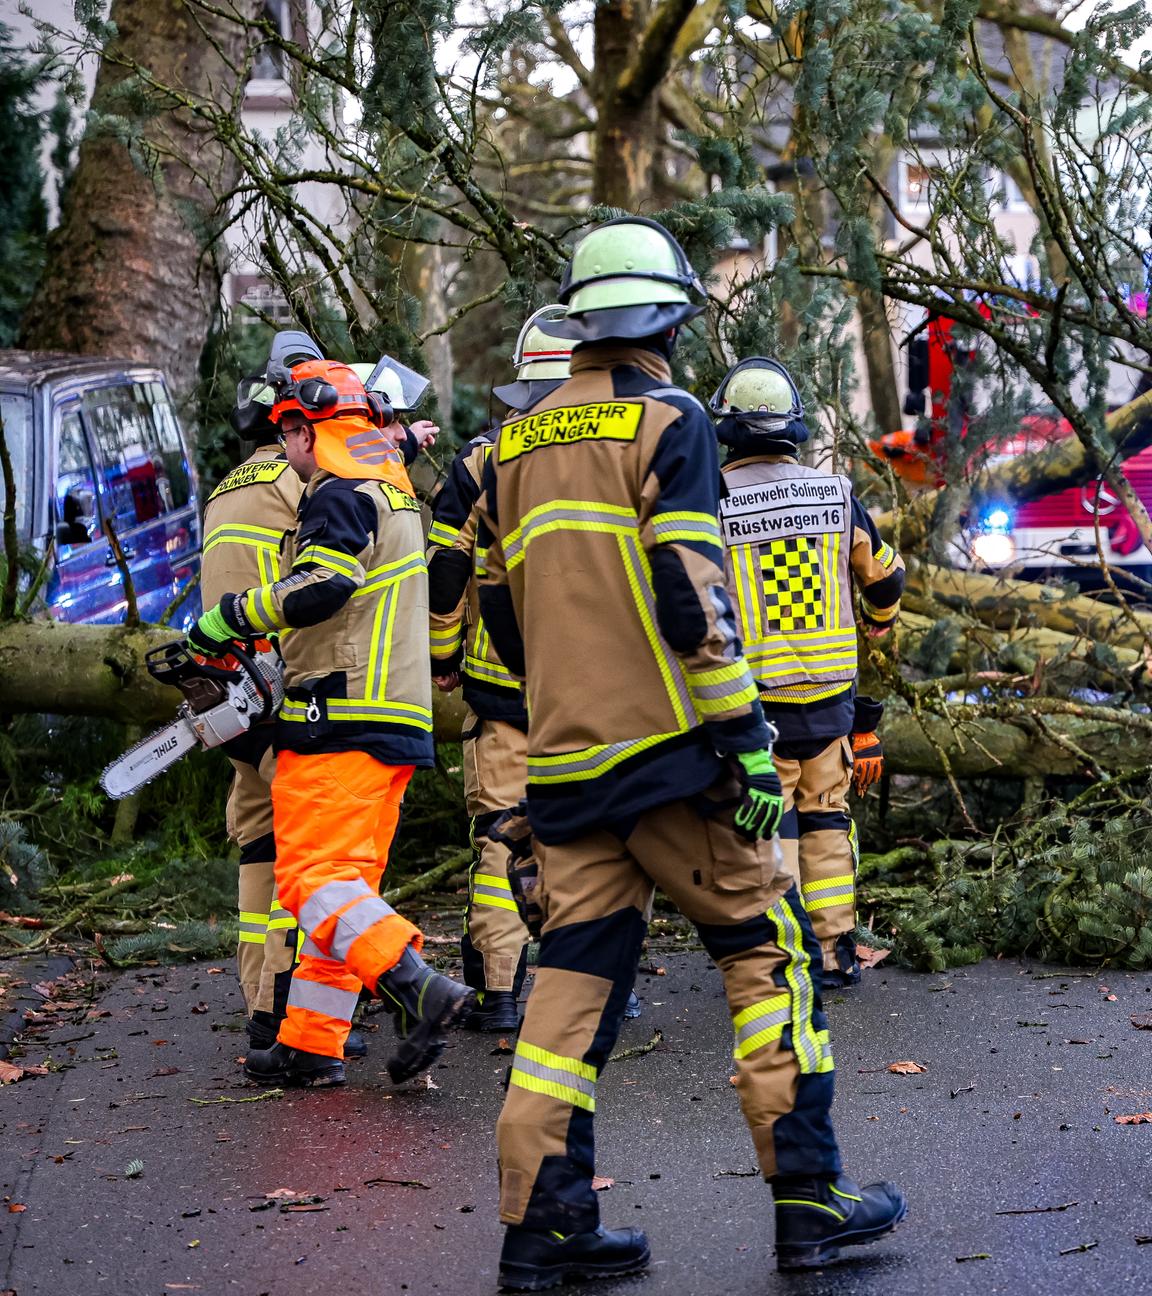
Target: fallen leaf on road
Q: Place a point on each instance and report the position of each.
(1142, 1021)
(200, 1007)
(906, 1068)
(164, 1071)
(302, 1207)
(980, 1255)
(396, 1183)
(1138, 1118)
(16, 1208)
(282, 1194)
(215, 971)
(868, 957)
(10, 1072)
(1110, 999)
(601, 1182)
(193, 1244)
(502, 1046)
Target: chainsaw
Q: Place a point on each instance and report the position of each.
(221, 702)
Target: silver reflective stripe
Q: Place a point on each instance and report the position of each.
(755, 1025)
(354, 922)
(310, 948)
(617, 520)
(557, 1076)
(328, 899)
(325, 999)
(727, 689)
(256, 929)
(662, 393)
(495, 892)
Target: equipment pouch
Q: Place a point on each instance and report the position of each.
(730, 863)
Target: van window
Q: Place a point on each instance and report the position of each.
(145, 473)
(16, 411)
(77, 519)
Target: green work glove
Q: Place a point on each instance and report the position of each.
(762, 801)
(211, 636)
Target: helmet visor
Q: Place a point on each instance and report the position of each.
(402, 387)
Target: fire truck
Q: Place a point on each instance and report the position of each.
(1063, 535)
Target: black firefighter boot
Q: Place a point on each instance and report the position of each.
(281, 1065)
(816, 1217)
(495, 1010)
(425, 1004)
(536, 1259)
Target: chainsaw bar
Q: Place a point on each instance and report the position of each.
(150, 757)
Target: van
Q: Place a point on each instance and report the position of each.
(96, 451)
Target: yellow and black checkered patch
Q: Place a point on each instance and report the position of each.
(793, 589)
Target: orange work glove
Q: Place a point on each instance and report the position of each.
(868, 761)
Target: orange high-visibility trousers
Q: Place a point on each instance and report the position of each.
(335, 817)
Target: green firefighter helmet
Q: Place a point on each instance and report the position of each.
(542, 362)
(759, 394)
(627, 278)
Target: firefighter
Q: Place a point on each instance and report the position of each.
(244, 521)
(496, 723)
(796, 542)
(355, 723)
(649, 763)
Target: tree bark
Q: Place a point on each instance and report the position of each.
(981, 745)
(130, 270)
(50, 668)
(1007, 604)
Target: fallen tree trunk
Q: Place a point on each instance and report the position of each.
(49, 668)
(1056, 467)
(1009, 604)
(977, 744)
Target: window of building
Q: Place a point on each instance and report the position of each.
(916, 181)
(270, 64)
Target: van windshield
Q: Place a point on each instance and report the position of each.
(16, 411)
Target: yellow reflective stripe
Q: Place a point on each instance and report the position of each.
(265, 558)
(492, 880)
(281, 924)
(804, 692)
(479, 559)
(570, 524)
(252, 938)
(686, 515)
(589, 762)
(566, 515)
(827, 1064)
(796, 972)
(491, 671)
(558, 1061)
(244, 916)
(717, 675)
(376, 662)
(412, 564)
(564, 1078)
(885, 555)
(828, 884)
(749, 594)
(714, 706)
(772, 1015)
(260, 610)
(640, 583)
(495, 902)
(333, 559)
(878, 614)
(402, 713)
(797, 1201)
(440, 533)
(385, 658)
(446, 635)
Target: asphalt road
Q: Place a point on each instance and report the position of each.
(1025, 1071)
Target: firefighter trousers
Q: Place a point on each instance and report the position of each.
(335, 818)
(597, 894)
(495, 770)
(818, 839)
(266, 950)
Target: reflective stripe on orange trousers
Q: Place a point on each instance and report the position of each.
(335, 818)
